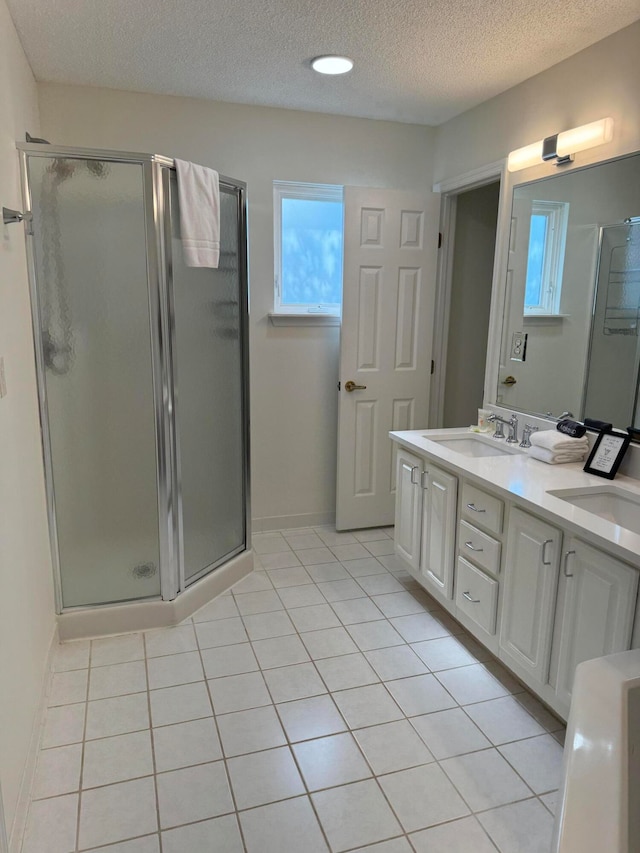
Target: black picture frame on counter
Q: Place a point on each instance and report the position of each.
(607, 454)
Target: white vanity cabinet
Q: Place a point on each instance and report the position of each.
(408, 507)
(529, 594)
(596, 618)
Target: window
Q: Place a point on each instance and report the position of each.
(545, 262)
(308, 233)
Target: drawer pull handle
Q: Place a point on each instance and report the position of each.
(469, 545)
(474, 508)
(422, 476)
(472, 600)
(567, 574)
(544, 552)
(415, 468)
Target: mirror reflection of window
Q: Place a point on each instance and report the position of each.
(545, 262)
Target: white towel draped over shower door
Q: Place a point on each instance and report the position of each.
(199, 195)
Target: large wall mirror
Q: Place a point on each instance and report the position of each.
(570, 333)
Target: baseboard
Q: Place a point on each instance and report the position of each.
(19, 822)
(289, 522)
(141, 616)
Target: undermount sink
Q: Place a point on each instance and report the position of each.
(609, 502)
(473, 444)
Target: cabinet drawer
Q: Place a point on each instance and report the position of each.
(476, 595)
(479, 547)
(481, 508)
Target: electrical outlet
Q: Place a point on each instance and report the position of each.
(518, 346)
(3, 380)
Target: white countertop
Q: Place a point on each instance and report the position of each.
(518, 477)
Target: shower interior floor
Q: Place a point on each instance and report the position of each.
(325, 703)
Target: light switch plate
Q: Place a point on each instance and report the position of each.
(518, 346)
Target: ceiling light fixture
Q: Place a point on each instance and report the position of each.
(562, 146)
(332, 64)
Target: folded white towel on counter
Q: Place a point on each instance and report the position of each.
(558, 442)
(552, 458)
(199, 195)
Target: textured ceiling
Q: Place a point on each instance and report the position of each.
(420, 61)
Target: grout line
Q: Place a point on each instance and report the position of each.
(152, 743)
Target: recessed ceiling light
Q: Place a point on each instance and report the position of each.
(332, 64)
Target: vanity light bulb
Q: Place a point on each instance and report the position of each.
(584, 137)
(332, 64)
(522, 158)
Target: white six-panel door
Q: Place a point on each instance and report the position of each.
(390, 245)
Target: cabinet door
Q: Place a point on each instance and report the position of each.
(529, 596)
(599, 604)
(408, 507)
(439, 529)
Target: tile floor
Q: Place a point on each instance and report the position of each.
(325, 703)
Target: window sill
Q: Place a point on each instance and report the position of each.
(310, 319)
(545, 318)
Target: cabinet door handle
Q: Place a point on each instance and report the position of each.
(470, 546)
(422, 476)
(467, 595)
(415, 468)
(474, 508)
(566, 561)
(544, 552)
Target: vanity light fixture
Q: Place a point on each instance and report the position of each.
(332, 64)
(562, 146)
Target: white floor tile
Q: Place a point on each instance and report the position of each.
(380, 584)
(367, 706)
(120, 649)
(396, 662)
(503, 720)
(310, 718)
(393, 563)
(396, 845)
(420, 694)
(280, 651)
(170, 641)
(68, 687)
(328, 643)
(345, 671)
(519, 828)
(107, 717)
(258, 602)
(356, 610)
(538, 760)
(329, 761)
(460, 836)
(229, 660)
(264, 626)
(551, 801)
(223, 632)
(179, 704)
(58, 771)
(301, 596)
(286, 577)
(51, 825)
(340, 590)
(134, 803)
(354, 815)
(253, 582)
(193, 793)
(328, 572)
(239, 692)
(375, 635)
(539, 712)
(268, 543)
(314, 556)
(298, 541)
(450, 652)
(365, 566)
(71, 656)
(420, 626)
(398, 604)
(371, 534)
(264, 777)
(471, 684)
(350, 552)
(184, 744)
(117, 759)
(249, 731)
(220, 608)
(314, 618)
(63, 725)
(332, 537)
(381, 548)
(392, 746)
(269, 829)
(220, 834)
(423, 796)
(299, 681)
(449, 733)
(485, 779)
(117, 679)
(172, 670)
(148, 844)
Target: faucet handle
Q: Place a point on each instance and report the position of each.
(526, 435)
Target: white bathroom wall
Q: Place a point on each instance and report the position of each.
(294, 371)
(26, 594)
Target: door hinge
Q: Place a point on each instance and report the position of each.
(439, 239)
(433, 367)
(339, 386)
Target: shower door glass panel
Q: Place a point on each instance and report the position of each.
(209, 397)
(91, 281)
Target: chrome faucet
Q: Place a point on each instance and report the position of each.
(500, 423)
(526, 435)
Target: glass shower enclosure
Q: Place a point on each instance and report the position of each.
(142, 368)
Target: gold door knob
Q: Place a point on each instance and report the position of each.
(510, 380)
(351, 386)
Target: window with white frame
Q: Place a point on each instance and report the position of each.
(545, 263)
(308, 235)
